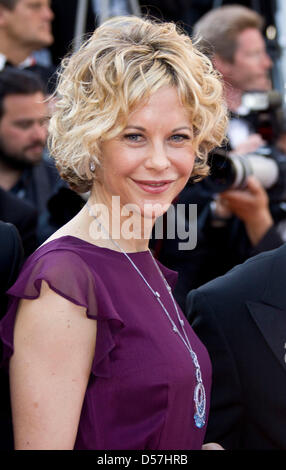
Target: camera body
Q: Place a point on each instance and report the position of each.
(230, 171)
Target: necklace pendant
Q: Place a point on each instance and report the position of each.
(200, 405)
(199, 422)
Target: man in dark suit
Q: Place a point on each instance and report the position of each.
(11, 257)
(21, 214)
(241, 319)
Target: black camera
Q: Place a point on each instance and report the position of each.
(263, 112)
(229, 171)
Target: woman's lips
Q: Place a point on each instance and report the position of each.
(154, 187)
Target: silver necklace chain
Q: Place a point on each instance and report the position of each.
(199, 392)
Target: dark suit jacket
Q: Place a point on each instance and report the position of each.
(21, 214)
(11, 257)
(241, 318)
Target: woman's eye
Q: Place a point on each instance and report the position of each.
(180, 138)
(133, 137)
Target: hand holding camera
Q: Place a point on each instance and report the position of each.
(251, 205)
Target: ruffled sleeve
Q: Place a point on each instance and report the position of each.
(68, 274)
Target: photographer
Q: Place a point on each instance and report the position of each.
(232, 34)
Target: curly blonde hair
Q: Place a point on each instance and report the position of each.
(120, 65)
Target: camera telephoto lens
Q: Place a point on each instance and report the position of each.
(231, 171)
(227, 171)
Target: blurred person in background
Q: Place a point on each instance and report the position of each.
(25, 168)
(24, 117)
(25, 27)
(232, 36)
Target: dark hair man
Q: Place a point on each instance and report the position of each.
(24, 115)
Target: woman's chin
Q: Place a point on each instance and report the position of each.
(154, 210)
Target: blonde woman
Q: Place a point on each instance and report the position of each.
(101, 356)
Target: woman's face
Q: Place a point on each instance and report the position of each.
(151, 160)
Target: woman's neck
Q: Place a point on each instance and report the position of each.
(112, 226)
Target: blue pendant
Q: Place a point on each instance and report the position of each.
(200, 422)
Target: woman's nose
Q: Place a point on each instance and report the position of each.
(158, 158)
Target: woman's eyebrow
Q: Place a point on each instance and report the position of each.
(140, 128)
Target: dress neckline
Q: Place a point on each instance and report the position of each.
(137, 256)
(85, 242)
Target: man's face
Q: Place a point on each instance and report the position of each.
(29, 23)
(23, 130)
(250, 68)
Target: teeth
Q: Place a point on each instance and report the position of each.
(156, 184)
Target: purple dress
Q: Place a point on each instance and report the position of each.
(141, 387)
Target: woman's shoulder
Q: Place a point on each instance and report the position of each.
(69, 264)
(65, 258)
(61, 264)
(63, 242)
(67, 247)
(71, 252)
(73, 244)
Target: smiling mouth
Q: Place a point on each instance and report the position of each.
(154, 186)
